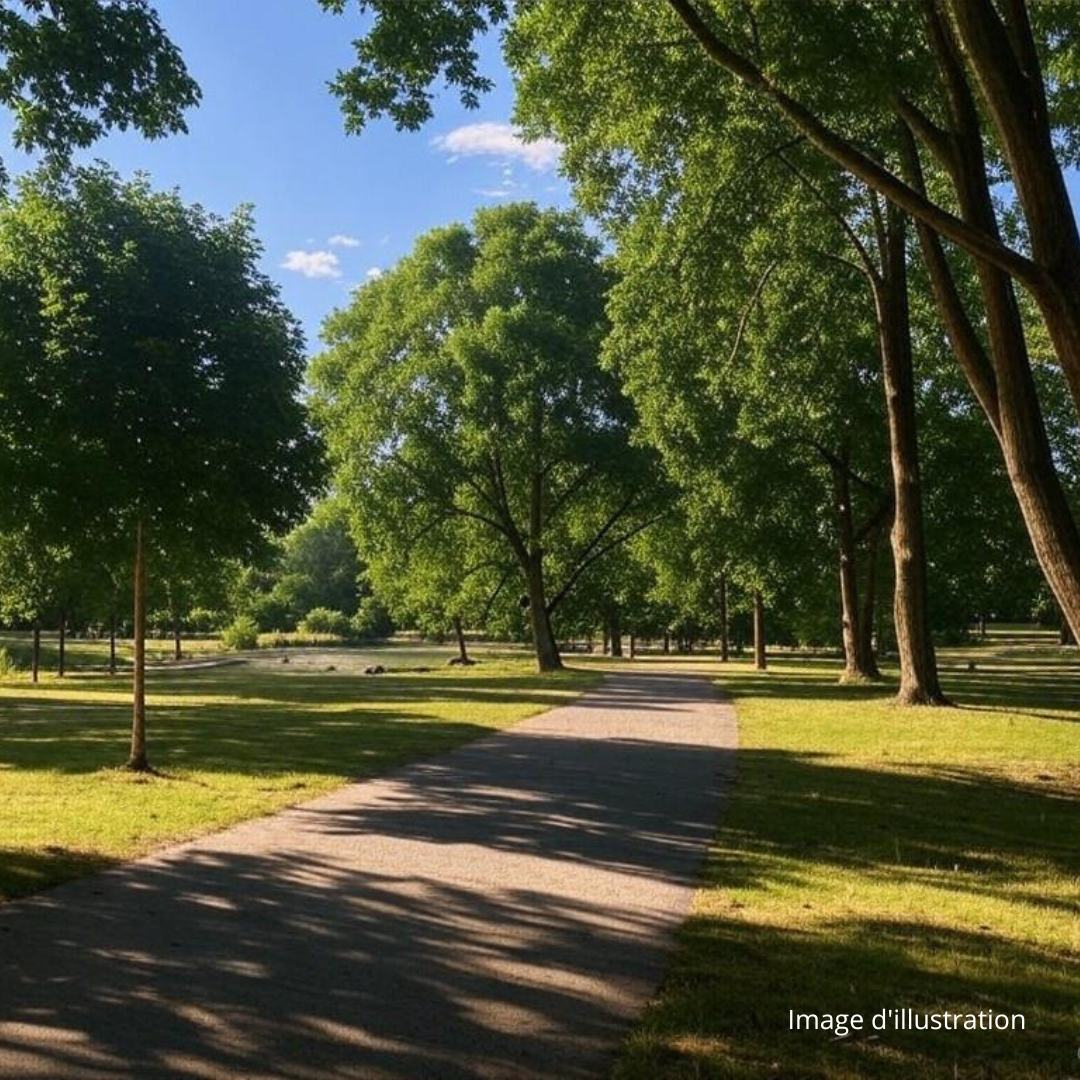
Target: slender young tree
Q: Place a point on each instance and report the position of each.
(154, 347)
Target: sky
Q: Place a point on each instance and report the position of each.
(330, 208)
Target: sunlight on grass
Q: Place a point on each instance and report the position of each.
(873, 857)
(230, 743)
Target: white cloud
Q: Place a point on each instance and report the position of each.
(498, 140)
(313, 264)
(343, 240)
(373, 273)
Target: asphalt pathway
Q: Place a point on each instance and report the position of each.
(504, 910)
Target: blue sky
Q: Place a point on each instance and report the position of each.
(329, 208)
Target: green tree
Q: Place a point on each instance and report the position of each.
(153, 399)
(464, 386)
(73, 69)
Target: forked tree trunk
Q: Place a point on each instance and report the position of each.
(547, 650)
(919, 683)
(459, 633)
(760, 660)
(867, 617)
(615, 623)
(850, 616)
(112, 644)
(61, 657)
(35, 654)
(137, 759)
(724, 647)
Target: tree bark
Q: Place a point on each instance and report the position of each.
(61, 651)
(850, 618)
(459, 633)
(867, 657)
(1002, 381)
(919, 683)
(547, 649)
(760, 660)
(35, 654)
(724, 645)
(667, 642)
(615, 631)
(633, 645)
(112, 644)
(177, 651)
(137, 760)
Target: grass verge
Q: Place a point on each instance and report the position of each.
(871, 857)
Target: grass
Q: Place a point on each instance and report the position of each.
(871, 857)
(94, 652)
(230, 743)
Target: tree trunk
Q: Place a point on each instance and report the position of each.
(459, 633)
(1066, 636)
(615, 624)
(112, 644)
(35, 654)
(760, 661)
(867, 659)
(633, 645)
(723, 619)
(982, 626)
(918, 664)
(607, 637)
(177, 651)
(547, 650)
(667, 642)
(60, 666)
(850, 618)
(1002, 381)
(137, 760)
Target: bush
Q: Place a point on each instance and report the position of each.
(322, 620)
(8, 664)
(241, 633)
(205, 620)
(371, 620)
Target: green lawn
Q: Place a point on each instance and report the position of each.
(231, 743)
(871, 857)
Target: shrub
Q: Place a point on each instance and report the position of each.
(241, 633)
(371, 620)
(322, 620)
(8, 664)
(205, 620)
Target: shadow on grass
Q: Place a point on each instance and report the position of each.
(230, 720)
(960, 837)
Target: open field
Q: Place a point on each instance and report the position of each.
(230, 743)
(875, 858)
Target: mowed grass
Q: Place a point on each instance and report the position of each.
(229, 743)
(94, 652)
(871, 857)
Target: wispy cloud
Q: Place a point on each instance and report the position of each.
(313, 264)
(501, 141)
(343, 240)
(373, 273)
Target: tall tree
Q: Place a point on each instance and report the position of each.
(465, 385)
(73, 69)
(154, 398)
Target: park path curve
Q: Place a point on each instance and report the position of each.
(503, 910)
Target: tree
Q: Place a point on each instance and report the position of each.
(154, 398)
(903, 94)
(73, 69)
(464, 386)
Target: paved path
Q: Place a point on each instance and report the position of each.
(500, 911)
